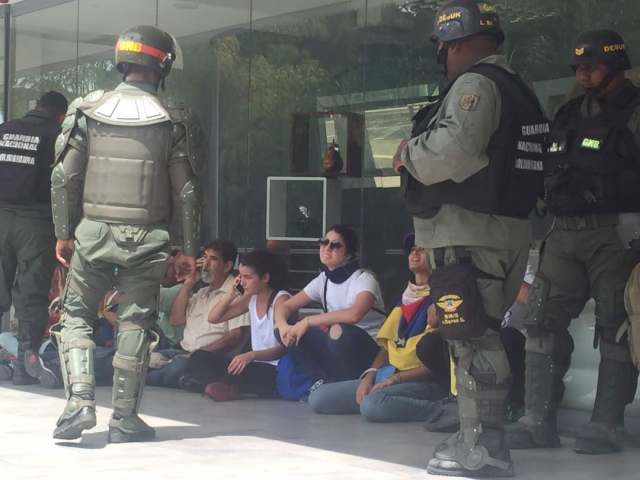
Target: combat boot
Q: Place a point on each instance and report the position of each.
(129, 429)
(76, 368)
(79, 414)
(489, 458)
(130, 363)
(544, 389)
(605, 433)
(479, 448)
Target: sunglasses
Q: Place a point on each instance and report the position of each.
(325, 242)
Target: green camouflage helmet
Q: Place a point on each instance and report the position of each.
(460, 19)
(601, 46)
(146, 46)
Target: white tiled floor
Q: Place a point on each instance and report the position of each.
(248, 439)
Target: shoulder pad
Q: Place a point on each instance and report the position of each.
(94, 96)
(124, 107)
(187, 125)
(67, 127)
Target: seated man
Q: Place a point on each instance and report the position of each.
(192, 309)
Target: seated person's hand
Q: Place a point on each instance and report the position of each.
(384, 384)
(296, 332)
(240, 362)
(432, 317)
(364, 388)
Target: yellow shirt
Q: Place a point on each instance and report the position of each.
(402, 357)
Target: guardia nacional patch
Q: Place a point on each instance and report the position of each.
(469, 103)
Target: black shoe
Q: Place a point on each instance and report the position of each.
(526, 434)
(130, 429)
(70, 427)
(20, 375)
(191, 384)
(598, 439)
(37, 369)
(444, 417)
(6, 372)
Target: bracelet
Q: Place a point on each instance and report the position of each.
(368, 370)
(397, 378)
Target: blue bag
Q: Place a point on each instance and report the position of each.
(292, 381)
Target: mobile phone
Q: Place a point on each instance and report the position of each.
(239, 288)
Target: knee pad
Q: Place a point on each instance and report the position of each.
(558, 345)
(132, 350)
(538, 298)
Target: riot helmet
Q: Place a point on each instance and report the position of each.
(147, 46)
(460, 19)
(601, 46)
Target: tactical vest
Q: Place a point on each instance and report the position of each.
(513, 181)
(593, 164)
(129, 139)
(26, 157)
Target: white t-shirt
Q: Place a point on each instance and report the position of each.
(343, 295)
(262, 336)
(198, 332)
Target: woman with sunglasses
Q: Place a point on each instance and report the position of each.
(337, 344)
(398, 386)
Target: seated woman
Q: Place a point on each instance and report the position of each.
(259, 289)
(338, 344)
(397, 387)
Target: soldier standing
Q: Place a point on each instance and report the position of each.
(126, 167)
(471, 175)
(26, 231)
(592, 176)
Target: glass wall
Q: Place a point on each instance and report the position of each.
(249, 68)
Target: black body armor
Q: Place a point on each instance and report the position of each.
(593, 164)
(513, 181)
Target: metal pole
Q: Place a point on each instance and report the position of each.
(7, 61)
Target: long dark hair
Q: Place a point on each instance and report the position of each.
(263, 262)
(349, 236)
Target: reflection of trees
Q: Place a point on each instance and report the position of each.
(71, 81)
(278, 79)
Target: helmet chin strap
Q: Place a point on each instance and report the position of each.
(441, 58)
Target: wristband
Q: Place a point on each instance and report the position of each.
(368, 370)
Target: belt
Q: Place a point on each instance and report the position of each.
(587, 222)
(450, 255)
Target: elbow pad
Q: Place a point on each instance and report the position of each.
(190, 206)
(60, 203)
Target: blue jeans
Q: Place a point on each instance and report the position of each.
(403, 402)
(168, 375)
